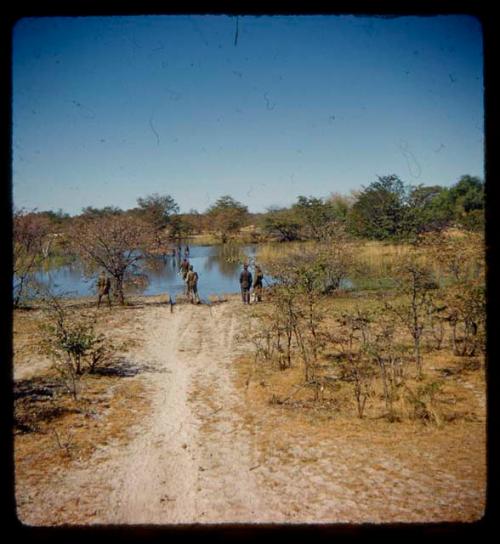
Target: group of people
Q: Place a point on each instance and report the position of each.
(190, 277)
(247, 282)
(177, 252)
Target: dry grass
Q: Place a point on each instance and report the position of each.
(380, 257)
(444, 458)
(56, 430)
(54, 433)
(269, 252)
(384, 466)
(459, 377)
(374, 456)
(374, 259)
(204, 239)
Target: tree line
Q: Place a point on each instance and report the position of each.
(385, 209)
(116, 240)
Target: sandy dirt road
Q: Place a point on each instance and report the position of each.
(193, 458)
(174, 472)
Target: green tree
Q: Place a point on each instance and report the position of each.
(227, 216)
(468, 194)
(426, 209)
(283, 223)
(315, 216)
(379, 209)
(90, 211)
(340, 206)
(467, 200)
(157, 209)
(179, 227)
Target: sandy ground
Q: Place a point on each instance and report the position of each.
(174, 472)
(194, 460)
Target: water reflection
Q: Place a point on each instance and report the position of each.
(227, 259)
(218, 269)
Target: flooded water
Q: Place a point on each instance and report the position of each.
(218, 269)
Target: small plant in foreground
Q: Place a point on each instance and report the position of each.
(72, 343)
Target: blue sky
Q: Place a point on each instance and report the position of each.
(109, 109)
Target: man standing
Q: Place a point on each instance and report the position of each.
(103, 288)
(192, 285)
(257, 283)
(184, 268)
(245, 284)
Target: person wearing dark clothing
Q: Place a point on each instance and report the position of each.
(257, 283)
(184, 272)
(245, 284)
(184, 268)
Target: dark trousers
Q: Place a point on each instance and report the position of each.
(103, 295)
(245, 295)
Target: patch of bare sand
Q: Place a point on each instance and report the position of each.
(190, 465)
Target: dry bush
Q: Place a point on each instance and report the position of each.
(422, 402)
(30, 234)
(70, 340)
(415, 285)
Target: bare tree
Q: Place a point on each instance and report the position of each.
(350, 340)
(113, 243)
(460, 259)
(467, 318)
(415, 286)
(390, 357)
(303, 277)
(30, 233)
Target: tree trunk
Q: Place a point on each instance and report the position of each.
(418, 358)
(454, 338)
(119, 294)
(78, 365)
(387, 399)
(289, 347)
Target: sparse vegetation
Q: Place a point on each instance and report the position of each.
(70, 340)
(431, 300)
(359, 336)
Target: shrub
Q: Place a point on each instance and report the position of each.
(72, 343)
